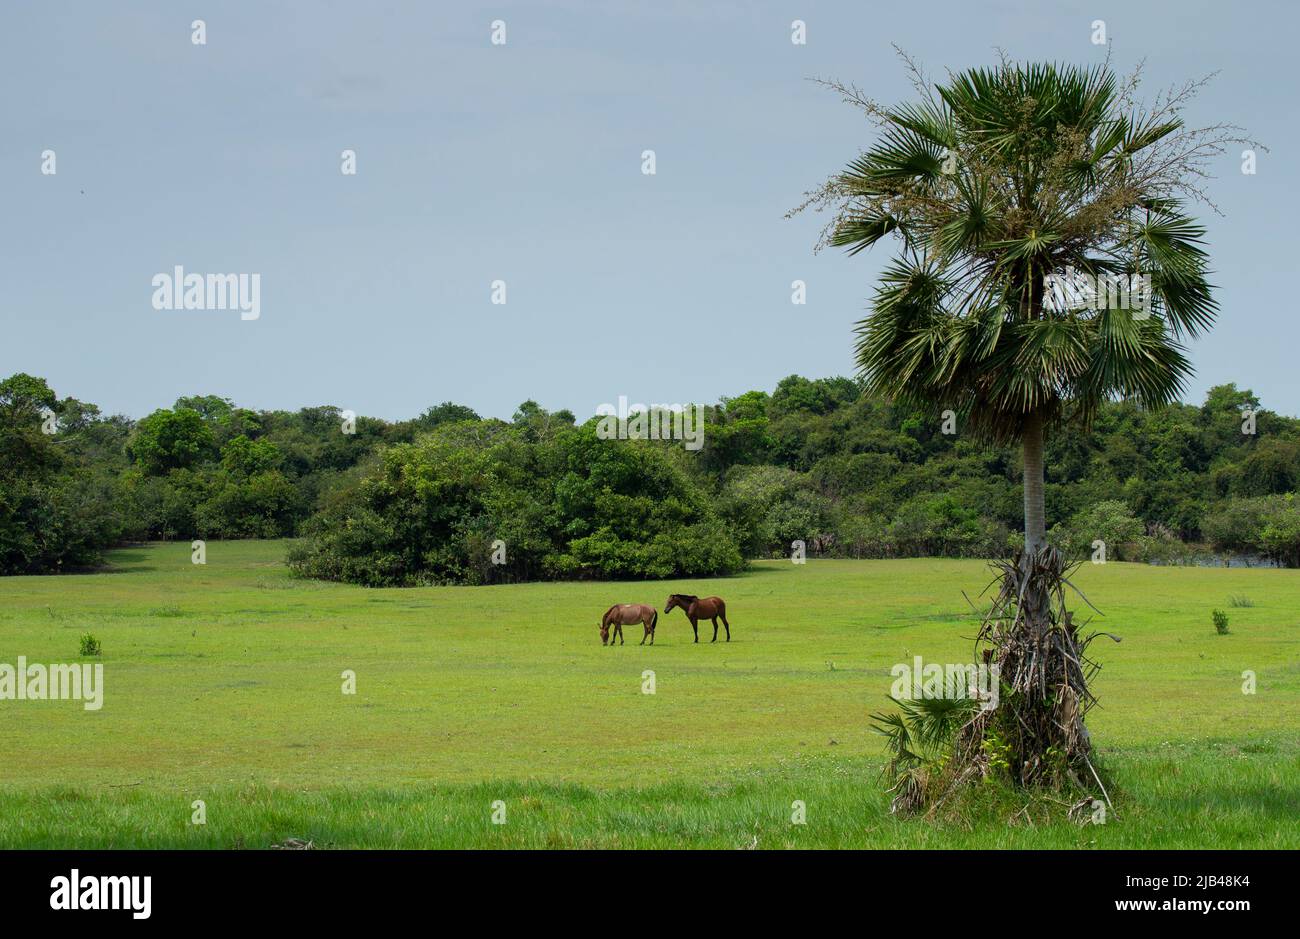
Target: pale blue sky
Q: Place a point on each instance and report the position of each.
(523, 162)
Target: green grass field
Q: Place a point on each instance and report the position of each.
(224, 682)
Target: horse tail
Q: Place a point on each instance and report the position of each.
(654, 620)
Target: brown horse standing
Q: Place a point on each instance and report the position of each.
(625, 614)
(697, 609)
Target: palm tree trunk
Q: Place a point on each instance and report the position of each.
(1035, 507)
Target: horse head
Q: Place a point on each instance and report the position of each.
(679, 599)
(604, 633)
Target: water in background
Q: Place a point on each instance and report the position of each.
(1218, 560)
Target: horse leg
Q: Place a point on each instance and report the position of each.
(715, 630)
(723, 614)
(646, 633)
(620, 634)
(695, 628)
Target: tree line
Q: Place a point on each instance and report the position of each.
(451, 497)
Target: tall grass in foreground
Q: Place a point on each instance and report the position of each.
(1176, 797)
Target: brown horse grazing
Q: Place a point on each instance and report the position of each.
(625, 614)
(697, 609)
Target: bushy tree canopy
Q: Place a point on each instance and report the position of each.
(816, 461)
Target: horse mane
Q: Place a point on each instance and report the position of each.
(688, 597)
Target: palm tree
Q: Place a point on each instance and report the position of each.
(1007, 189)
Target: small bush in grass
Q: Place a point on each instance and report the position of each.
(1035, 738)
(1221, 622)
(90, 645)
(1240, 600)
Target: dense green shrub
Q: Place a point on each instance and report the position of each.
(1220, 622)
(1266, 525)
(568, 506)
(1110, 522)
